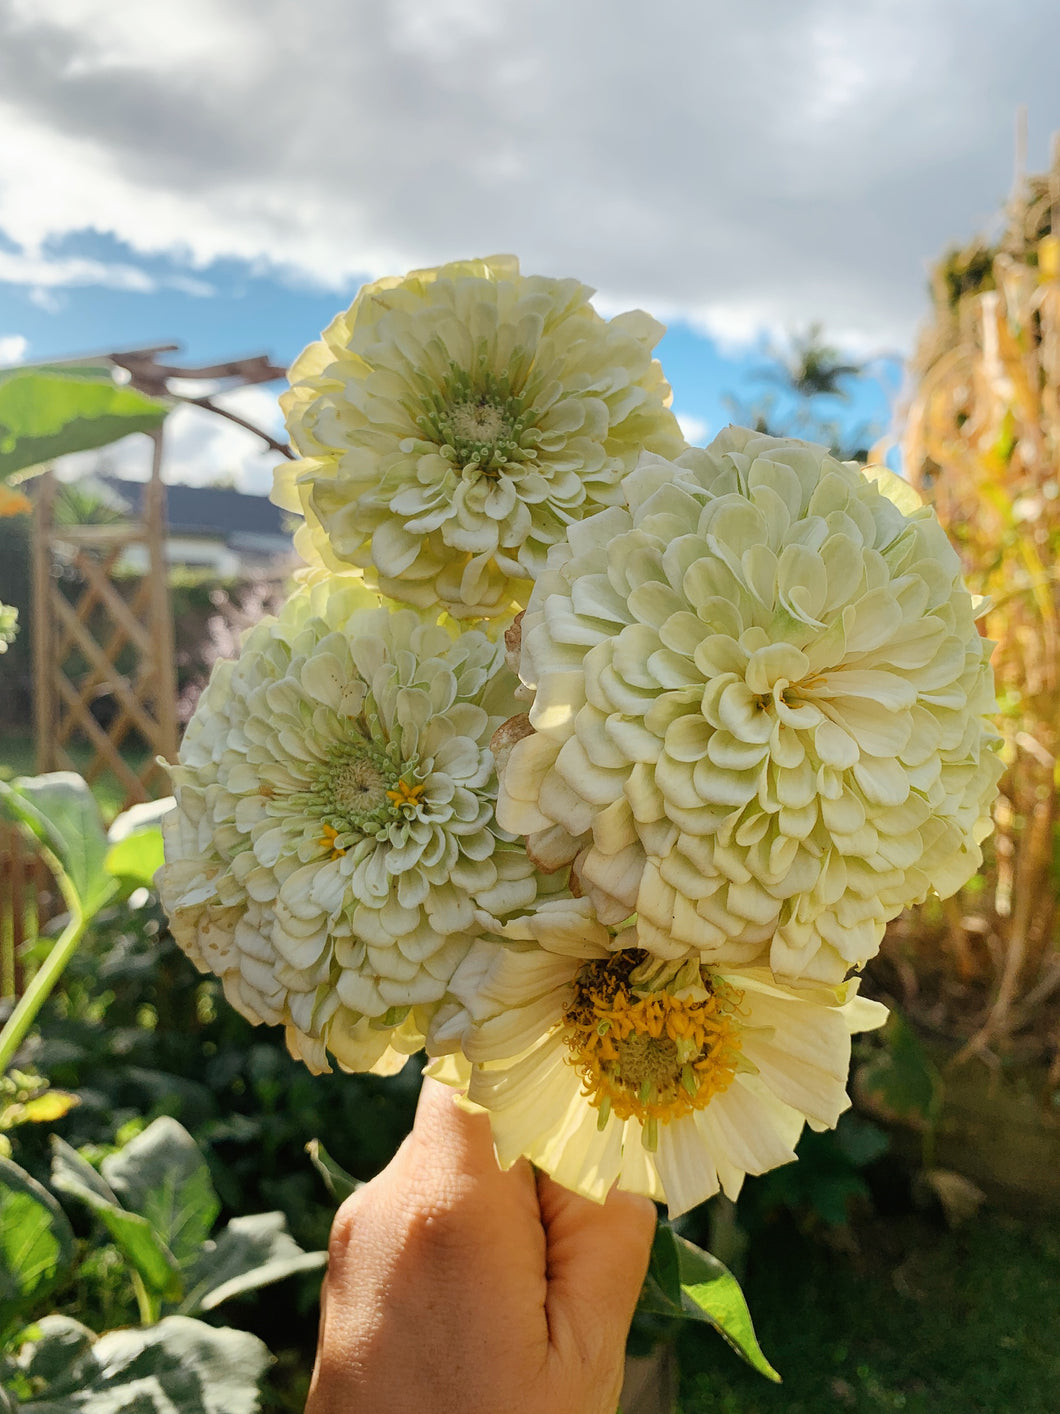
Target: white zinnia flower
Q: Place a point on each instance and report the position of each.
(452, 423)
(758, 713)
(604, 1065)
(335, 830)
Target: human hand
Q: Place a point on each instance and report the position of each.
(455, 1287)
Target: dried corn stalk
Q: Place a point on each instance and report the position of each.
(982, 442)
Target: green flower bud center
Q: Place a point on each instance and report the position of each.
(479, 423)
(647, 1060)
(358, 786)
(359, 789)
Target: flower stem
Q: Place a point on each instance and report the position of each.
(36, 994)
(148, 1304)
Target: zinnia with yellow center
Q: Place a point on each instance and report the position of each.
(334, 832)
(605, 1065)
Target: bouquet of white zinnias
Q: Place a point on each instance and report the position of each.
(590, 763)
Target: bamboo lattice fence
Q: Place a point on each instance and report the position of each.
(100, 647)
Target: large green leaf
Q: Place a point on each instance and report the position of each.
(57, 1344)
(49, 412)
(251, 1252)
(36, 1243)
(136, 852)
(708, 1292)
(162, 1175)
(59, 808)
(179, 1366)
(142, 1246)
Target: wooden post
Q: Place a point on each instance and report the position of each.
(44, 714)
(80, 638)
(160, 612)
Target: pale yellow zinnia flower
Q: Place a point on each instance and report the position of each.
(452, 423)
(335, 832)
(759, 700)
(605, 1065)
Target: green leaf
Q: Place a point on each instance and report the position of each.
(665, 1264)
(133, 1234)
(59, 808)
(338, 1182)
(901, 1082)
(135, 860)
(58, 1343)
(162, 1175)
(136, 850)
(250, 1252)
(709, 1293)
(179, 1366)
(48, 412)
(36, 1243)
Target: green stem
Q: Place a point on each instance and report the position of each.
(150, 1306)
(36, 994)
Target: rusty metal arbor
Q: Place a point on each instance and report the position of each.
(104, 670)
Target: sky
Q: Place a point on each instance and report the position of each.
(224, 174)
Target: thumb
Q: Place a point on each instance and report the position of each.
(597, 1257)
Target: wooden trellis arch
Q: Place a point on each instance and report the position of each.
(93, 643)
(79, 638)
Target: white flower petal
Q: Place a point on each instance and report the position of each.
(776, 661)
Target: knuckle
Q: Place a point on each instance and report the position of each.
(346, 1225)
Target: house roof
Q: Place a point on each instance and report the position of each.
(216, 511)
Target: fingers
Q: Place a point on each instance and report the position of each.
(449, 1164)
(597, 1255)
(455, 1141)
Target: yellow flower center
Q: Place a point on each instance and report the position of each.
(327, 841)
(405, 795)
(650, 1055)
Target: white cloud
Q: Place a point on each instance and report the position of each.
(695, 430)
(50, 272)
(12, 348)
(751, 167)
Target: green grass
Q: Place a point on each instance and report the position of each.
(918, 1320)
